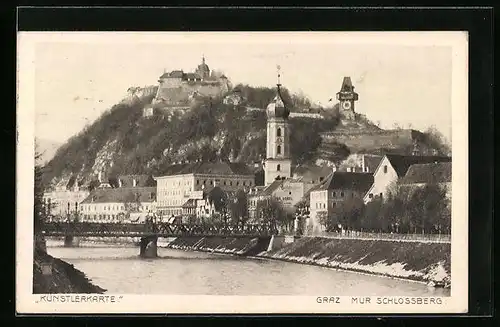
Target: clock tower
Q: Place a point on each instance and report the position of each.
(278, 163)
(347, 97)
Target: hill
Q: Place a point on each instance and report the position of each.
(122, 141)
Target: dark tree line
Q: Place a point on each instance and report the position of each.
(404, 210)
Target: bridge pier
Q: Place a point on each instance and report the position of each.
(149, 247)
(71, 241)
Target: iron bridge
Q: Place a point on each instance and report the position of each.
(161, 229)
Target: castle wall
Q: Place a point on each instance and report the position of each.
(178, 93)
(390, 139)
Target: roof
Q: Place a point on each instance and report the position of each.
(192, 76)
(307, 194)
(277, 107)
(216, 168)
(346, 85)
(268, 191)
(191, 203)
(372, 161)
(428, 173)
(311, 173)
(121, 195)
(141, 180)
(360, 182)
(402, 163)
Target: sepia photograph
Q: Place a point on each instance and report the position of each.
(231, 172)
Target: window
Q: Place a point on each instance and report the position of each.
(334, 204)
(231, 183)
(204, 182)
(370, 196)
(197, 182)
(321, 179)
(385, 169)
(289, 193)
(224, 182)
(278, 149)
(278, 132)
(334, 193)
(342, 194)
(237, 183)
(278, 167)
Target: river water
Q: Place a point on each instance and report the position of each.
(118, 269)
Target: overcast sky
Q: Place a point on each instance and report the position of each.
(77, 77)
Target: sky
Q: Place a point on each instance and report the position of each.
(399, 80)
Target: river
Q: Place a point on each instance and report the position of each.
(119, 270)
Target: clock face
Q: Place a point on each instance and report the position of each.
(346, 105)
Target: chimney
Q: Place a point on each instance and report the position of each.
(134, 182)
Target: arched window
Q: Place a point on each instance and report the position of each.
(278, 149)
(278, 132)
(278, 167)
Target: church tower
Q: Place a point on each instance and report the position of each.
(278, 163)
(347, 97)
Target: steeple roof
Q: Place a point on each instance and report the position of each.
(277, 108)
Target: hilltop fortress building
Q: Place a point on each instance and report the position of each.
(178, 89)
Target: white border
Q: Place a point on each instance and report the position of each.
(26, 302)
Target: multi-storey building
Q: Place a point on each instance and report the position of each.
(119, 204)
(339, 187)
(182, 182)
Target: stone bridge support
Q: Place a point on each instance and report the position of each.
(71, 241)
(149, 247)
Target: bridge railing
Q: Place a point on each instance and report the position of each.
(435, 238)
(161, 228)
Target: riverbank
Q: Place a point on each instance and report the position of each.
(64, 277)
(417, 261)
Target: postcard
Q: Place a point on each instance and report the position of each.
(242, 172)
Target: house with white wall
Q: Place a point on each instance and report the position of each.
(394, 167)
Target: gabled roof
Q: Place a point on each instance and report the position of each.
(311, 173)
(402, 163)
(216, 168)
(372, 162)
(121, 195)
(360, 182)
(428, 173)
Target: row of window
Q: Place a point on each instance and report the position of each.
(323, 205)
(111, 208)
(230, 183)
(333, 194)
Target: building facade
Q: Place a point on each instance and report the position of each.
(126, 204)
(340, 187)
(183, 182)
(63, 202)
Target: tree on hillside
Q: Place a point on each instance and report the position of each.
(436, 140)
